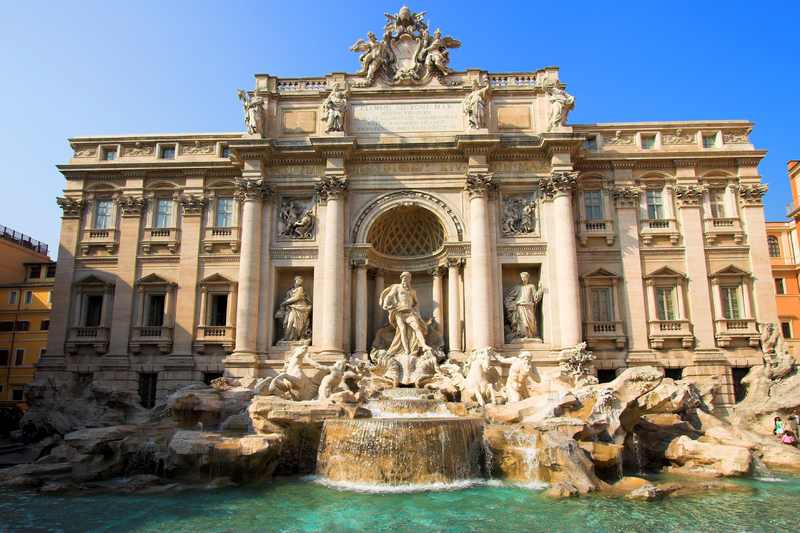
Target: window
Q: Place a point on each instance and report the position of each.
(665, 303)
(42, 352)
(3, 357)
(786, 330)
(148, 383)
(218, 314)
(780, 288)
(674, 373)
(602, 304)
(12, 297)
(28, 297)
(709, 140)
(17, 394)
(716, 198)
(45, 325)
(774, 246)
(655, 207)
(94, 310)
(102, 214)
(109, 154)
(19, 357)
(23, 325)
(593, 203)
(590, 143)
(731, 309)
(35, 272)
(154, 310)
(224, 216)
(51, 271)
(163, 213)
(168, 152)
(226, 150)
(648, 142)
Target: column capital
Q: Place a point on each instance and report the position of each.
(560, 182)
(331, 187)
(192, 204)
(752, 195)
(71, 207)
(252, 188)
(130, 206)
(359, 263)
(479, 184)
(436, 272)
(627, 197)
(689, 195)
(455, 262)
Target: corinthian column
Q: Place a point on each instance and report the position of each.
(332, 190)
(251, 192)
(482, 302)
(360, 267)
(558, 187)
(453, 306)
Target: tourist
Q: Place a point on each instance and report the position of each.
(778, 429)
(789, 438)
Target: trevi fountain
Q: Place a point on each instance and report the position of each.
(490, 416)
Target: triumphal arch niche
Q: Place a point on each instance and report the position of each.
(435, 194)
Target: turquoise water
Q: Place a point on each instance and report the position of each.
(302, 505)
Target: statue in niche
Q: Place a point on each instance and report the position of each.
(520, 376)
(474, 106)
(295, 313)
(520, 304)
(253, 112)
(561, 103)
(400, 301)
(334, 109)
(434, 52)
(376, 55)
(297, 219)
(519, 215)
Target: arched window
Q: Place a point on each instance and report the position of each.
(774, 246)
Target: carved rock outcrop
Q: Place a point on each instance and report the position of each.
(709, 459)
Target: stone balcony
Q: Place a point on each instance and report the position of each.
(158, 336)
(661, 228)
(221, 236)
(153, 238)
(95, 337)
(596, 228)
(613, 331)
(740, 328)
(717, 227)
(224, 336)
(102, 238)
(670, 330)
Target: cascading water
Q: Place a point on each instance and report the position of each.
(413, 449)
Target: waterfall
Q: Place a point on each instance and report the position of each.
(401, 451)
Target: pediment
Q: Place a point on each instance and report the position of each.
(601, 273)
(730, 271)
(216, 278)
(665, 272)
(153, 279)
(92, 279)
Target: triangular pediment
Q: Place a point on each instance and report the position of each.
(216, 278)
(730, 271)
(665, 272)
(92, 279)
(601, 273)
(153, 279)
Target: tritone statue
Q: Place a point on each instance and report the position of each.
(292, 383)
(520, 378)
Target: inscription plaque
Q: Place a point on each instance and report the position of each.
(407, 118)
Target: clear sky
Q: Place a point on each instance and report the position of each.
(83, 68)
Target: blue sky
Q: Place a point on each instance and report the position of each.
(89, 67)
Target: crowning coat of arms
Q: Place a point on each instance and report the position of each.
(407, 53)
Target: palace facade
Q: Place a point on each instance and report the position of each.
(183, 257)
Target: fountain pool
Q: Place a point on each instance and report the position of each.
(301, 505)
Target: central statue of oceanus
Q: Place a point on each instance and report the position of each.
(400, 301)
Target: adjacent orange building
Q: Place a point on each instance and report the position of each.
(784, 251)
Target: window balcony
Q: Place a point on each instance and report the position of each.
(664, 330)
(224, 336)
(739, 328)
(715, 227)
(613, 331)
(596, 228)
(104, 238)
(226, 236)
(651, 229)
(159, 336)
(95, 337)
(166, 237)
